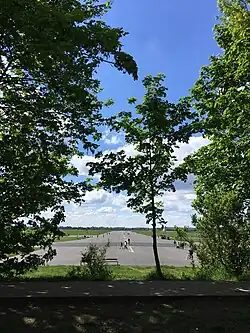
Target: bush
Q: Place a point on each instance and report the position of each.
(154, 276)
(93, 265)
(224, 233)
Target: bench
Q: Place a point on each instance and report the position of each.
(83, 262)
(113, 260)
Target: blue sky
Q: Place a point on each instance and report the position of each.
(172, 37)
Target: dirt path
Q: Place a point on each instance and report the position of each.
(123, 288)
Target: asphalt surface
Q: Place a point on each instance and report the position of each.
(139, 253)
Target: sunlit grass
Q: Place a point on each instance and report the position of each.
(122, 273)
(85, 232)
(171, 234)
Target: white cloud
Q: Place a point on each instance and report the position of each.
(113, 140)
(101, 216)
(110, 138)
(83, 169)
(97, 197)
(102, 208)
(185, 149)
(80, 163)
(119, 200)
(128, 149)
(125, 209)
(190, 196)
(179, 201)
(106, 210)
(109, 209)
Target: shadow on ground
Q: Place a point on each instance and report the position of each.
(127, 314)
(123, 288)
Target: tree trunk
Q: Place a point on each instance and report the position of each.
(155, 249)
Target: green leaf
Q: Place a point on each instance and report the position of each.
(50, 96)
(149, 172)
(132, 100)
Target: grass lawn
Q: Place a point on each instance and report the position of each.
(57, 273)
(85, 232)
(119, 273)
(68, 238)
(171, 234)
(126, 315)
(76, 234)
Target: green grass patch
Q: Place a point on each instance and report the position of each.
(172, 234)
(57, 273)
(85, 232)
(118, 273)
(67, 239)
(71, 235)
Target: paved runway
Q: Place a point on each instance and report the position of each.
(140, 253)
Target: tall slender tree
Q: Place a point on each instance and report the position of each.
(157, 128)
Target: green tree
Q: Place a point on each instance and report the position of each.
(154, 132)
(50, 52)
(181, 234)
(221, 97)
(224, 230)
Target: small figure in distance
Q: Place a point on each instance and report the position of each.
(182, 245)
(121, 245)
(190, 254)
(125, 245)
(129, 241)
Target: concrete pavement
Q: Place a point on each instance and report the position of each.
(140, 253)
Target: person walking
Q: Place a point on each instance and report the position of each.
(190, 254)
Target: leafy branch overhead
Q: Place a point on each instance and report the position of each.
(221, 96)
(50, 52)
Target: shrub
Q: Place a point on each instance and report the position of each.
(224, 230)
(93, 264)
